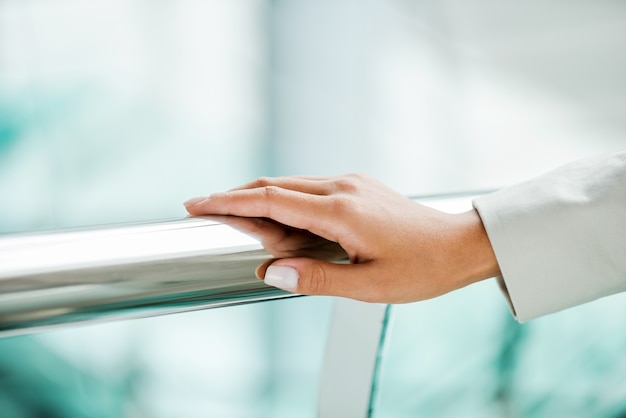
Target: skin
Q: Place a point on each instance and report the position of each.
(398, 251)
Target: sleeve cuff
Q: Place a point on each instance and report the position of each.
(559, 239)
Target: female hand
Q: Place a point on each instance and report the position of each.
(399, 251)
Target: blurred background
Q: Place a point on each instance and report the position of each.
(119, 110)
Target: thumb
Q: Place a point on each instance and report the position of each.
(307, 276)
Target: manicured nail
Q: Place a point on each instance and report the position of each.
(194, 200)
(282, 277)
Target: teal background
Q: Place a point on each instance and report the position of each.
(119, 110)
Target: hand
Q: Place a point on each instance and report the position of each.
(399, 251)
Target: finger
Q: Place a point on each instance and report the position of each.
(267, 231)
(308, 276)
(284, 241)
(259, 228)
(321, 186)
(309, 185)
(299, 210)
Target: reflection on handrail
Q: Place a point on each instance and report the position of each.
(126, 272)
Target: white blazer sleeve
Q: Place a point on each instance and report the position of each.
(560, 239)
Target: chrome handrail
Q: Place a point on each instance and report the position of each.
(139, 270)
(128, 271)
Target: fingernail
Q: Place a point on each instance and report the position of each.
(194, 200)
(282, 277)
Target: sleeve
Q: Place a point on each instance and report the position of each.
(560, 239)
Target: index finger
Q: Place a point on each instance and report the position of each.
(304, 184)
(314, 213)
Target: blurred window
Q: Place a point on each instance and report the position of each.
(119, 110)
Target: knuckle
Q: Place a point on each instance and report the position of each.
(318, 281)
(342, 204)
(262, 182)
(270, 192)
(347, 184)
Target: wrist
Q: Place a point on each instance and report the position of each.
(476, 259)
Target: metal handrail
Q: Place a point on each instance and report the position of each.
(138, 270)
(128, 271)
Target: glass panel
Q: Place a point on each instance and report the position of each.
(464, 355)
